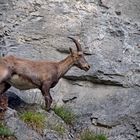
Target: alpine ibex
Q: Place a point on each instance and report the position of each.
(28, 74)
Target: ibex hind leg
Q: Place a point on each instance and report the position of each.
(4, 87)
(4, 75)
(3, 98)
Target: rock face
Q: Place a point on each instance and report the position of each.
(20, 130)
(23, 131)
(107, 96)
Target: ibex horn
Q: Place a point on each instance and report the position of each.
(78, 46)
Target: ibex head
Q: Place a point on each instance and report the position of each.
(78, 56)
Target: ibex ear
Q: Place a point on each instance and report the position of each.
(71, 51)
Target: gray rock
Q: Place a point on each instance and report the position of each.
(20, 129)
(51, 130)
(55, 127)
(109, 31)
(14, 101)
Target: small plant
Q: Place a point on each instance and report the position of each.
(67, 115)
(101, 137)
(4, 131)
(59, 128)
(88, 135)
(34, 119)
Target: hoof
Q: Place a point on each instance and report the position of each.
(49, 110)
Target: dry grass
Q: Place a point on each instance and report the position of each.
(67, 115)
(88, 135)
(34, 119)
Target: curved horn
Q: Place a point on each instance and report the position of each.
(78, 45)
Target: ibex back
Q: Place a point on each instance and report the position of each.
(28, 74)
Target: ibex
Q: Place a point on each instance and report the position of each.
(27, 74)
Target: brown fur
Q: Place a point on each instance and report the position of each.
(3, 106)
(27, 74)
(3, 103)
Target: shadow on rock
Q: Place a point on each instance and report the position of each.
(14, 101)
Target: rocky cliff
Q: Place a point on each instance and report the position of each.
(107, 97)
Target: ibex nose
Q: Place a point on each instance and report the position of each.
(86, 67)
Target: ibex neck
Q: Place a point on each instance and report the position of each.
(65, 65)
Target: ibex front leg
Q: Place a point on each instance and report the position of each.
(46, 93)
